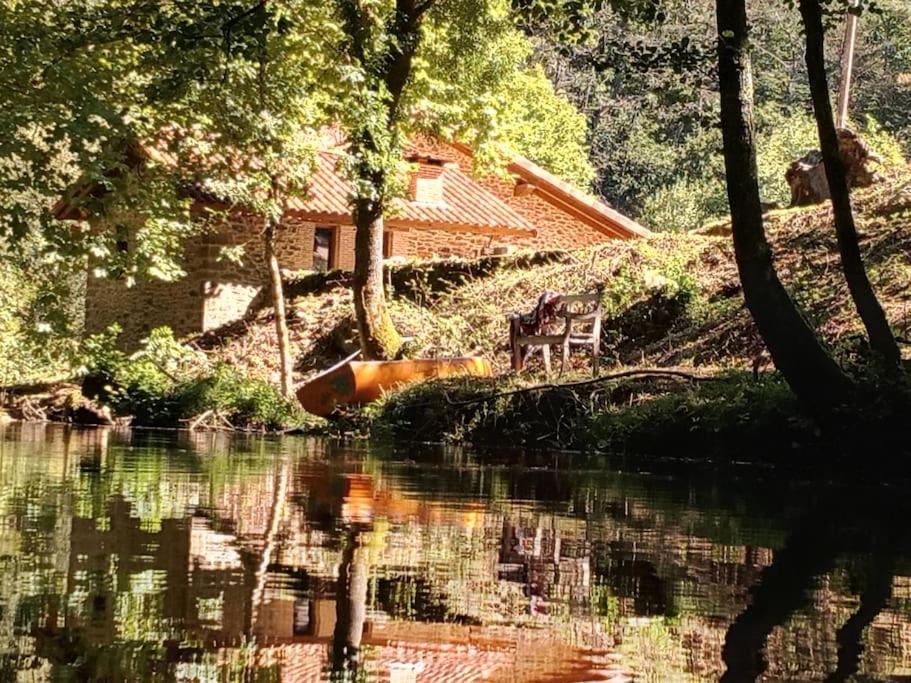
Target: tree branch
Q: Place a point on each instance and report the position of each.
(676, 374)
(353, 21)
(232, 22)
(405, 27)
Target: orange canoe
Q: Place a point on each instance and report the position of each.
(365, 381)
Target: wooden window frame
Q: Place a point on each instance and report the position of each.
(333, 246)
(388, 244)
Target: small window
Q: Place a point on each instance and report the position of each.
(324, 249)
(387, 244)
(427, 185)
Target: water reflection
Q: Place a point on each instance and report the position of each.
(174, 557)
(870, 528)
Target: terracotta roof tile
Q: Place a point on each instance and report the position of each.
(466, 204)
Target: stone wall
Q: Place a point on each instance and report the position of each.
(443, 243)
(215, 290)
(140, 309)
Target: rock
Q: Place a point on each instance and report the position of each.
(807, 176)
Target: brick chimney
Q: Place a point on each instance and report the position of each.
(427, 184)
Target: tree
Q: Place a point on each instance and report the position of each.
(109, 94)
(648, 88)
(414, 66)
(882, 341)
(797, 352)
(539, 123)
(249, 90)
(71, 95)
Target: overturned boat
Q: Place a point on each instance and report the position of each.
(355, 382)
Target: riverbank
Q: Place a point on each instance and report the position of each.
(680, 414)
(683, 367)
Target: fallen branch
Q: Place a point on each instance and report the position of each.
(32, 412)
(675, 374)
(226, 423)
(196, 421)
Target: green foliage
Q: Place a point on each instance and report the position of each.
(724, 411)
(685, 204)
(35, 325)
(717, 418)
(882, 88)
(449, 68)
(539, 123)
(688, 203)
(781, 139)
(639, 416)
(885, 144)
(166, 382)
(244, 401)
(653, 269)
(649, 91)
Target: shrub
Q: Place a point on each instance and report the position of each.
(245, 402)
(685, 204)
(689, 201)
(166, 382)
(884, 143)
(32, 349)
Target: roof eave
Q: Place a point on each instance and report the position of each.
(397, 223)
(598, 214)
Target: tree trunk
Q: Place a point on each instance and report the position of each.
(847, 70)
(379, 339)
(278, 305)
(882, 340)
(797, 352)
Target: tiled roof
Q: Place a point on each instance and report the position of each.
(570, 199)
(466, 205)
(608, 218)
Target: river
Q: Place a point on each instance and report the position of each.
(162, 556)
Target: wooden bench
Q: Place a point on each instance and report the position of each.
(581, 316)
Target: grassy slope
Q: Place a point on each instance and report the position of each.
(672, 300)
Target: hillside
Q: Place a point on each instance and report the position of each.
(672, 299)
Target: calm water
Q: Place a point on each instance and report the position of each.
(154, 556)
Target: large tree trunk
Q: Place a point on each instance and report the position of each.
(379, 339)
(871, 313)
(278, 305)
(797, 352)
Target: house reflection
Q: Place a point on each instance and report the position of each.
(196, 585)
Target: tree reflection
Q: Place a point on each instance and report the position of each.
(873, 600)
(350, 608)
(866, 525)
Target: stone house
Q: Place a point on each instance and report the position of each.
(448, 212)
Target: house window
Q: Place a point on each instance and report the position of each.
(324, 249)
(387, 244)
